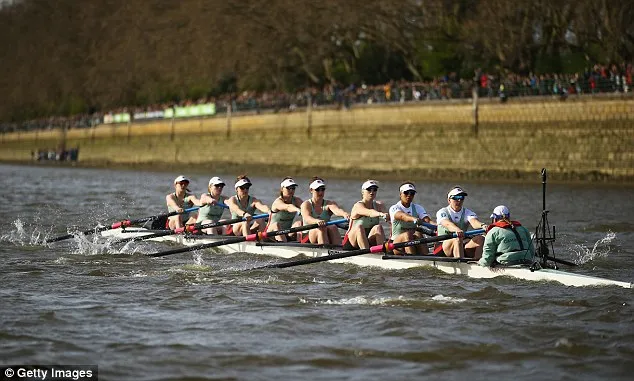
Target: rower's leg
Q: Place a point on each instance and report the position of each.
(274, 226)
(318, 236)
(453, 248)
(474, 247)
(334, 238)
(357, 238)
(420, 249)
(376, 236)
(209, 231)
(404, 237)
(240, 229)
(175, 222)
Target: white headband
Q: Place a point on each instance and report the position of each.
(242, 182)
(288, 183)
(180, 178)
(407, 187)
(216, 180)
(317, 183)
(368, 184)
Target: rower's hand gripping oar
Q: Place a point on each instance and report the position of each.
(120, 224)
(190, 229)
(250, 237)
(374, 249)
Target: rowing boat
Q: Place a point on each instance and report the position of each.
(458, 266)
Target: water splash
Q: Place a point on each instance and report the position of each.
(23, 234)
(600, 249)
(447, 299)
(90, 244)
(198, 259)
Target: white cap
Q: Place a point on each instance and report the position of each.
(368, 184)
(456, 191)
(181, 178)
(242, 182)
(317, 183)
(215, 181)
(501, 211)
(407, 187)
(288, 183)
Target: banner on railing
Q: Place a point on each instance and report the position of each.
(116, 118)
(207, 109)
(148, 115)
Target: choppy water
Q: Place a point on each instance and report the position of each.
(200, 317)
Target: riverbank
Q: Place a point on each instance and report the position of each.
(580, 140)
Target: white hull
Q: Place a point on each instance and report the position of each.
(470, 269)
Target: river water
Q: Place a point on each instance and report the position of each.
(199, 316)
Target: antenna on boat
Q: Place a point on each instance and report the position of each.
(543, 237)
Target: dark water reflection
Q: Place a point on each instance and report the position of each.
(199, 317)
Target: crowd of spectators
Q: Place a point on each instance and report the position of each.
(597, 79)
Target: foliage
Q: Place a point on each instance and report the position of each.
(66, 56)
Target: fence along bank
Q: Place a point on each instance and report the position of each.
(583, 138)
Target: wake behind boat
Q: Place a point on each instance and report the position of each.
(457, 266)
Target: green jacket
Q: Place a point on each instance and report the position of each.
(501, 245)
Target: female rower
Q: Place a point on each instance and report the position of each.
(365, 229)
(285, 209)
(318, 210)
(180, 200)
(212, 212)
(455, 218)
(406, 216)
(243, 205)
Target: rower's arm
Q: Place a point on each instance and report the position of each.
(206, 199)
(337, 210)
(233, 207)
(195, 200)
(308, 219)
(360, 210)
(261, 207)
(476, 224)
(446, 222)
(402, 216)
(171, 202)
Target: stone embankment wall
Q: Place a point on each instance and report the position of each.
(584, 139)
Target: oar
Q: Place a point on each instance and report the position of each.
(120, 224)
(189, 228)
(250, 237)
(374, 249)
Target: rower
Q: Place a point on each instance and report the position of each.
(455, 218)
(365, 228)
(318, 210)
(405, 216)
(180, 200)
(211, 210)
(243, 205)
(507, 242)
(284, 210)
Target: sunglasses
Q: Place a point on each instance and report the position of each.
(183, 183)
(292, 187)
(409, 193)
(457, 198)
(245, 187)
(373, 189)
(219, 185)
(320, 189)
